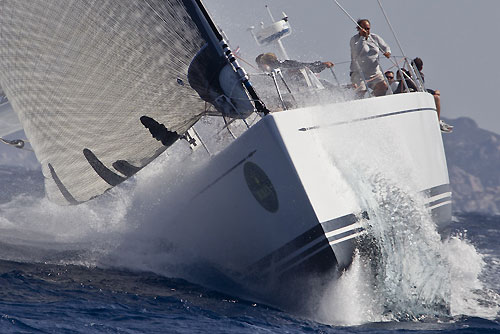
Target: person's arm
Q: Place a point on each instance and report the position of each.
(315, 67)
(386, 50)
(319, 66)
(292, 64)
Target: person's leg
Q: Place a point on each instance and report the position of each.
(359, 85)
(445, 127)
(437, 100)
(377, 83)
(380, 89)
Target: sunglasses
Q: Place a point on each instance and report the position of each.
(390, 77)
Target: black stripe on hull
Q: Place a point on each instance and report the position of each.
(304, 245)
(439, 201)
(438, 190)
(442, 216)
(313, 249)
(225, 173)
(298, 258)
(345, 234)
(367, 118)
(334, 224)
(317, 264)
(441, 213)
(276, 256)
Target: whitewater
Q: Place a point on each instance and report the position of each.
(112, 263)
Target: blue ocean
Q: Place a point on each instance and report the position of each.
(89, 269)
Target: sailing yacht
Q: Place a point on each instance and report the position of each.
(103, 88)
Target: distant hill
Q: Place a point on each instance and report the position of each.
(473, 157)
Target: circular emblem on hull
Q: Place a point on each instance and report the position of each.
(261, 187)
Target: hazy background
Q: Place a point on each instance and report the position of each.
(456, 39)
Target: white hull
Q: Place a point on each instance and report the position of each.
(280, 199)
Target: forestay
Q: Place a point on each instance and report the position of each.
(80, 74)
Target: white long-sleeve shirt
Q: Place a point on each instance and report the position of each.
(366, 53)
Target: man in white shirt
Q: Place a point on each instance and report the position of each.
(365, 68)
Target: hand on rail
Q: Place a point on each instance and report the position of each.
(387, 55)
(328, 64)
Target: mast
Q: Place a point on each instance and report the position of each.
(216, 39)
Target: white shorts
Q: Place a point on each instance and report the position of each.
(371, 79)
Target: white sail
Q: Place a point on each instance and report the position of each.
(91, 81)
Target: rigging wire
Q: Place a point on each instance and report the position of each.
(399, 44)
(360, 27)
(394, 62)
(246, 62)
(390, 26)
(349, 15)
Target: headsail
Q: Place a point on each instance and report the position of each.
(81, 73)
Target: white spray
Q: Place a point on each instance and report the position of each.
(403, 270)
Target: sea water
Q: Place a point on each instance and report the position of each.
(101, 268)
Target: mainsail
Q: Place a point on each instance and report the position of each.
(93, 81)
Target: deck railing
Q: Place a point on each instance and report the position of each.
(280, 92)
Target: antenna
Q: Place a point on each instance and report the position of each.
(270, 14)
